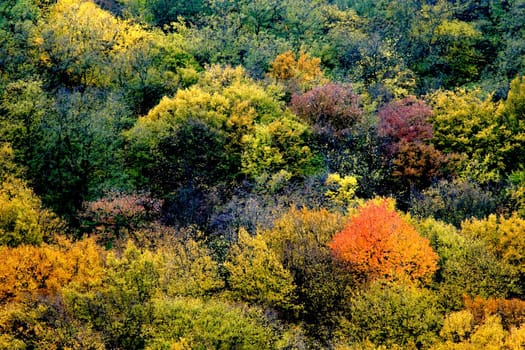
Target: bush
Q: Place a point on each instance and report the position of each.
(333, 106)
(466, 266)
(503, 237)
(453, 202)
(391, 314)
(23, 219)
(196, 324)
(256, 275)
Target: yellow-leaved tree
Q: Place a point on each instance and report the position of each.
(488, 136)
(222, 127)
(256, 275)
(23, 219)
(186, 268)
(503, 236)
(298, 74)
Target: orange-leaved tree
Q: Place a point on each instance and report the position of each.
(378, 243)
(29, 271)
(297, 75)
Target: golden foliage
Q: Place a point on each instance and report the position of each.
(257, 275)
(503, 236)
(28, 271)
(299, 232)
(299, 74)
(186, 268)
(23, 219)
(341, 190)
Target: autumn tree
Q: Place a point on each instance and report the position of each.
(277, 148)
(186, 268)
(394, 314)
(129, 286)
(466, 266)
(299, 239)
(407, 119)
(191, 323)
(461, 334)
(225, 106)
(332, 106)
(224, 126)
(298, 74)
(31, 271)
(502, 236)
(77, 44)
(463, 123)
(73, 43)
(510, 311)
(23, 218)
(378, 243)
(256, 275)
(485, 323)
(407, 131)
(46, 323)
(341, 190)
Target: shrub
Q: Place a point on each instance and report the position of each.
(23, 219)
(393, 314)
(453, 202)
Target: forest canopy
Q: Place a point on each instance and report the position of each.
(269, 174)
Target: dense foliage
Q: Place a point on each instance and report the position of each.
(262, 174)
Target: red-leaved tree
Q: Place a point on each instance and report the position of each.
(378, 243)
(407, 131)
(333, 105)
(118, 215)
(405, 120)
